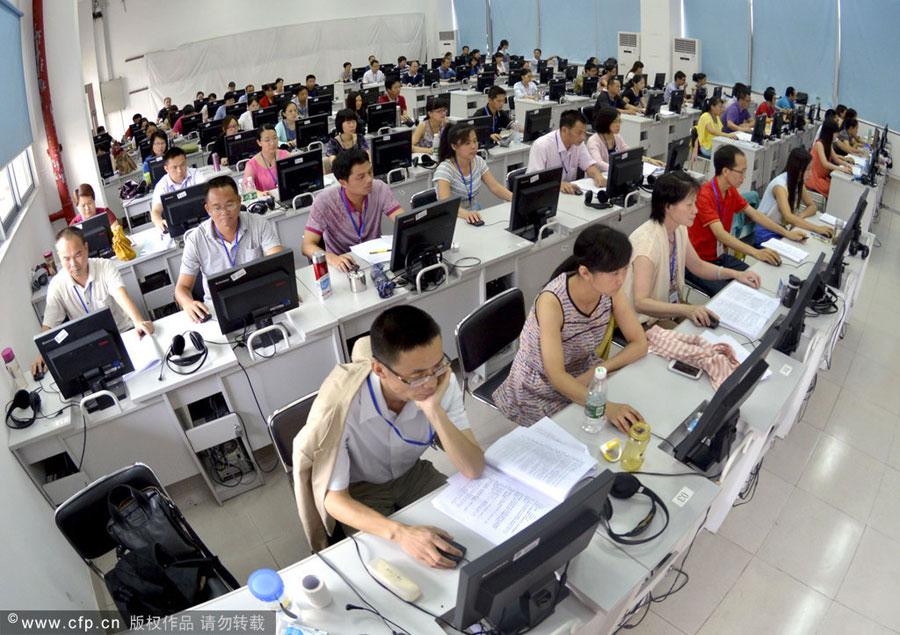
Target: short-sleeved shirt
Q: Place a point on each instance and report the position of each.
(100, 210)
(712, 207)
(734, 114)
(446, 73)
(844, 136)
(784, 102)
(334, 147)
(522, 90)
(499, 121)
(466, 188)
(67, 301)
(385, 99)
(671, 88)
(165, 184)
(329, 218)
(207, 252)
(603, 99)
(703, 135)
(768, 204)
(633, 98)
(766, 109)
(550, 152)
(371, 451)
(373, 78)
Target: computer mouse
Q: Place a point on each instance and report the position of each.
(478, 223)
(451, 556)
(206, 318)
(37, 375)
(713, 322)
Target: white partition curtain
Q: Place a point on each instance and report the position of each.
(291, 51)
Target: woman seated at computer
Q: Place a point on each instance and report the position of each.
(825, 160)
(354, 102)
(287, 127)
(229, 127)
(461, 171)
(569, 321)
(636, 69)
(662, 250)
(159, 143)
(346, 138)
(85, 203)
(427, 134)
(699, 82)
(709, 126)
(245, 121)
(783, 197)
(262, 166)
(634, 92)
(606, 139)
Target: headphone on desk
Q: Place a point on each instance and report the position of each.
(22, 400)
(602, 199)
(176, 359)
(625, 486)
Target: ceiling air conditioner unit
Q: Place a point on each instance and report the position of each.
(629, 50)
(686, 57)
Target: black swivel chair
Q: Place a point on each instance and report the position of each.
(485, 332)
(588, 112)
(425, 197)
(284, 424)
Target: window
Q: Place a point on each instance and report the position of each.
(16, 184)
(8, 205)
(21, 168)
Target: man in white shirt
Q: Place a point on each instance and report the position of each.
(178, 176)
(373, 75)
(84, 285)
(537, 58)
(525, 88)
(565, 147)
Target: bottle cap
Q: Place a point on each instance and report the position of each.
(49, 254)
(600, 372)
(265, 585)
(8, 355)
(639, 431)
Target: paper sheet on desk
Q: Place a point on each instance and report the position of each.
(382, 245)
(744, 136)
(649, 169)
(828, 219)
(740, 352)
(858, 160)
(145, 354)
(665, 112)
(857, 171)
(588, 184)
(151, 241)
(743, 309)
(786, 250)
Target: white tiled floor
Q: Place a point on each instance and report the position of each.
(816, 551)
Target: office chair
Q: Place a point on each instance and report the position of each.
(485, 332)
(283, 426)
(588, 112)
(420, 199)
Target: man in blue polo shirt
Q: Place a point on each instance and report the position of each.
(787, 100)
(446, 73)
(737, 117)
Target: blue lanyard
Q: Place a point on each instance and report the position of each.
(268, 169)
(559, 152)
(90, 296)
(471, 182)
(672, 261)
(378, 410)
(362, 217)
(232, 257)
(173, 187)
(290, 134)
(493, 120)
(718, 203)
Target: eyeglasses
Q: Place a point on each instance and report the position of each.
(741, 172)
(436, 372)
(231, 206)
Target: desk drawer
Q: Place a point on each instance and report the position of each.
(214, 432)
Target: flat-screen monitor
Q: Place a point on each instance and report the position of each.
(251, 294)
(483, 125)
(589, 85)
(759, 130)
(562, 64)
(699, 96)
(777, 120)
(717, 92)
(557, 89)
(213, 106)
(311, 129)
(105, 164)
(157, 168)
(676, 101)
(546, 75)
(325, 90)
(86, 354)
(382, 115)
(391, 151)
(678, 153)
(834, 272)
(502, 586)
(139, 136)
(269, 114)
(370, 95)
(537, 123)
(459, 60)
(790, 329)
(798, 120)
(541, 66)
(462, 72)
(489, 67)
(236, 109)
(189, 123)
(241, 145)
(626, 169)
(184, 209)
(659, 81)
(98, 235)
(102, 141)
(514, 77)
(291, 89)
(654, 104)
(281, 99)
(485, 81)
(535, 198)
(134, 128)
(571, 73)
(300, 173)
(436, 62)
(145, 149)
(432, 76)
(387, 69)
(209, 132)
(319, 105)
(802, 98)
(198, 104)
(357, 73)
(421, 233)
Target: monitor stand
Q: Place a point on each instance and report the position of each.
(530, 232)
(265, 340)
(115, 386)
(705, 459)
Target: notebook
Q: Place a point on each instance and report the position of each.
(743, 309)
(786, 250)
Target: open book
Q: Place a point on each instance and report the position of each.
(527, 473)
(743, 309)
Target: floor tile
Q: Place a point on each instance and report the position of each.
(765, 600)
(788, 457)
(242, 562)
(885, 516)
(872, 586)
(843, 476)
(839, 620)
(273, 510)
(857, 421)
(821, 402)
(289, 548)
(653, 624)
(841, 359)
(875, 382)
(893, 458)
(748, 525)
(812, 542)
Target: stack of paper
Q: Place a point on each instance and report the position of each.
(145, 353)
(743, 309)
(374, 251)
(786, 250)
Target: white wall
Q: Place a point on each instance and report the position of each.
(660, 24)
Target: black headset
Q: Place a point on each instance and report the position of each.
(22, 400)
(602, 200)
(176, 359)
(625, 486)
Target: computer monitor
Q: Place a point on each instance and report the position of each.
(541, 65)
(515, 65)
(699, 97)
(514, 77)
(798, 120)
(86, 354)
(105, 165)
(145, 149)
(432, 76)
(269, 114)
(834, 272)
(626, 169)
(791, 327)
(311, 129)
(190, 122)
(589, 85)
(503, 585)
(759, 130)
(654, 104)
(562, 64)
(485, 81)
(102, 141)
(387, 69)
(678, 153)
(357, 73)
(436, 62)
(252, 293)
(156, 166)
(462, 72)
(489, 67)
(241, 145)
(557, 89)
(300, 173)
(659, 81)
(717, 92)
(291, 89)
(546, 75)
(198, 104)
(537, 123)
(209, 132)
(535, 197)
(676, 101)
(319, 105)
(459, 60)
(370, 95)
(802, 98)
(483, 125)
(391, 151)
(98, 235)
(571, 73)
(281, 99)
(134, 128)
(420, 235)
(213, 106)
(325, 90)
(382, 115)
(236, 109)
(777, 120)
(184, 209)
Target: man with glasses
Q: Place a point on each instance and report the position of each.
(717, 202)
(358, 458)
(227, 239)
(179, 175)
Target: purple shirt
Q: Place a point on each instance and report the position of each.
(550, 152)
(329, 216)
(734, 114)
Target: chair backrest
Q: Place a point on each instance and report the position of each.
(490, 328)
(588, 112)
(285, 423)
(420, 199)
(511, 175)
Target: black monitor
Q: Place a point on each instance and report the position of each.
(759, 130)
(432, 76)
(489, 67)
(777, 120)
(504, 585)
(541, 66)
(300, 173)
(145, 149)
(571, 73)
(514, 77)
(209, 132)
(546, 75)
(281, 99)
(485, 81)
(462, 72)
(387, 69)
(537, 123)
(252, 293)
(139, 136)
(678, 153)
(659, 82)
(654, 104)
(459, 60)
(189, 123)
(269, 114)
(236, 109)
(382, 115)
(717, 92)
(535, 197)
(311, 129)
(325, 90)
(626, 170)
(105, 164)
(589, 85)
(802, 99)
(557, 89)
(515, 65)
(198, 104)
(184, 209)
(834, 272)
(562, 64)
(98, 235)
(483, 125)
(391, 151)
(134, 128)
(156, 166)
(436, 62)
(291, 89)
(370, 95)
(676, 101)
(798, 120)
(86, 354)
(213, 106)
(319, 105)
(699, 97)
(420, 235)
(241, 145)
(102, 141)
(357, 73)
(517, 58)
(791, 327)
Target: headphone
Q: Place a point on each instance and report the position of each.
(858, 248)
(602, 200)
(421, 257)
(22, 400)
(176, 359)
(262, 205)
(625, 486)
(424, 161)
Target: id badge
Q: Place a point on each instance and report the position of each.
(673, 295)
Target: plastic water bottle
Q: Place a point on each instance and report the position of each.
(12, 367)
(436, 143)
(268, 587)
(248, 194)
(595, 403)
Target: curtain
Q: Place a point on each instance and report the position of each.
(516, 21)
(724, 31)
(471, 20)
(15, 124)
(569, 29)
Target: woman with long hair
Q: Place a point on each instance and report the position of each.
(825, 160)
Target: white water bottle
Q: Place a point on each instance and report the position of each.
(248, 194)
(595, 403)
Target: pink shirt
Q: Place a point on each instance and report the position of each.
(550, 152)
(265, 178)
(329, 216)
(600, 153)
